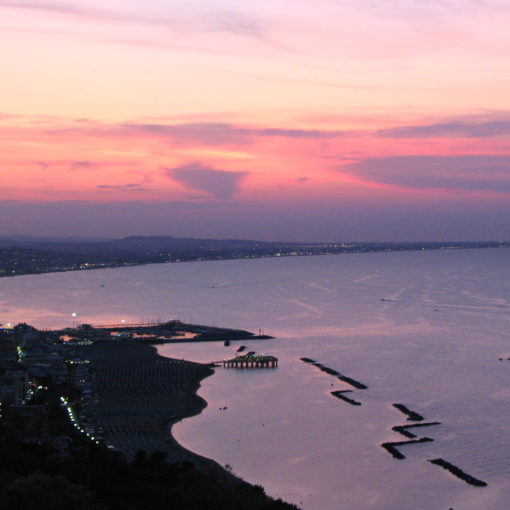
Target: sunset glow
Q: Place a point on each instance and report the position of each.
(329, 120)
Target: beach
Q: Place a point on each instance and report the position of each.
(139, 395)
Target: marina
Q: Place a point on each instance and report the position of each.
(157, 333)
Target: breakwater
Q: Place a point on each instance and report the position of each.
(404, 429)
(408, 430)
(454, 470)
(391, 447)
(340, 394)
(349, 380)
(352, 382)
(412, 416)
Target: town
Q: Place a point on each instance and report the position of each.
(28, 255)
(85, 400)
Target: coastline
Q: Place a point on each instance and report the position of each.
(140, 395)
(298, 250)
(106, 430)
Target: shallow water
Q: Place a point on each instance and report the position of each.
(425, 329)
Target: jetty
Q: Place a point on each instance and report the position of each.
(173, 331)
(251, 360)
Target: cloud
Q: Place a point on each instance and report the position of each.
(236, 23)
(298, 133)
(8, 116)
(44, 165)
(90, 13)
(223, 21)
(219, 132)
(196, 132)
(467, 173)
(120, 186)
(450, 129)
(206, 132)
(303, 179)
(83, 165)
(218, 183)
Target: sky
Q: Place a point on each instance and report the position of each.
(296, 120)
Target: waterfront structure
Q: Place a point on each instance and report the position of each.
(251, 360)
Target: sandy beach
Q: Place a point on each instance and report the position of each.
(138, 396)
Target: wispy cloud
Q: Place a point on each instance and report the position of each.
(216, 132)
(134, 187)
(182, 20)
(464, 173)
(83, 12)
(7, 116)
(43, 165)
(236, 23)
(417, 11)
(450, 129)
(84, 165)
(197, 176)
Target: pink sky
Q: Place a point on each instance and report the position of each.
(344, 120)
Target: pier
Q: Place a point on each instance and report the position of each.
(251, 360)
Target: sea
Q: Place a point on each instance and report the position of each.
(426, 329)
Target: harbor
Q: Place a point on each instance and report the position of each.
(173, 331)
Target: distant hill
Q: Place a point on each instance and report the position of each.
(30, 242)
(132, 243)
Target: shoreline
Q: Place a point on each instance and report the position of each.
(359, 249)
(105, 428)
(140, 395)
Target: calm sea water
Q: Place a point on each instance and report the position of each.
(425, 329)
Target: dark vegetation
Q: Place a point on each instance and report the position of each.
(37, 475)
(25, 255)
